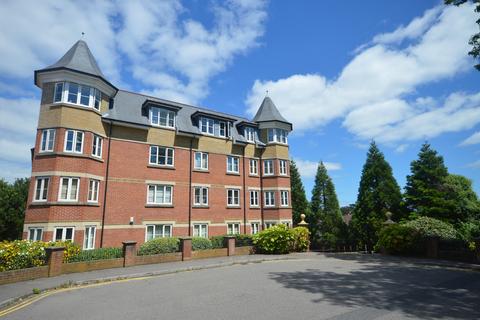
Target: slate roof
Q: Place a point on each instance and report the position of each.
(268, 112)
(127, 107)
(80, 59)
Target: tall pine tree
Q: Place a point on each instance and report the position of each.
(326, 216)
(425, 192)
(378, 193)
(299, 199)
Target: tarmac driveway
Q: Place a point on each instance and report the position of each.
(311, 287)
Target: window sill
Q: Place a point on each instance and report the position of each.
(254, 175)
(233, 207)
(233, 173)
(159, 206)
(64, 203)
(163, 127)
(160, 167)
(68, 154)
(73, 105)
(197, 206)
(201, 170)
(254, 208)
(277, 143)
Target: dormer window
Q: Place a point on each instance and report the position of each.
(75, 93)
(213, 127)
(249, 134)
(277, 135)
(162, 117)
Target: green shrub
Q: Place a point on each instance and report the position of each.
(301, 239)
(428, 227)
(274, 240)
(97, 254)
(217, 242)
(20, 254)
(469, 230)
(159, 245)
(397, 239)
(71, 249)
(199, 243)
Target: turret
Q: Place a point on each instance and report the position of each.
(273, 127)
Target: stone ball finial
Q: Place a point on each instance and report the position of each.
(302, 223)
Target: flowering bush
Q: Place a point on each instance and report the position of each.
(21, 254)
(274, 240)
(301, 239)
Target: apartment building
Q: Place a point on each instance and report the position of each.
(111, 165)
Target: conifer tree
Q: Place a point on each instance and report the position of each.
(378, 193)
(299, 199)
(327, 219)
(425, 192)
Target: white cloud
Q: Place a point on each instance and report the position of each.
(375, 92)
(156, 43)
(308, 168)
(473, 139)
(475, 164)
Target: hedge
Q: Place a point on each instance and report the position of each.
(159, 245)
(97, 254)
(199, 243)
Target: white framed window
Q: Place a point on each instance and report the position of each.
(162, 156)
(97, 99)
(69, 189)
(200, 230)
(162, 117)
(160, 194)
(201, 160)
(35, 234)
(64, 234)
(232, 164)
(253, 167)
(47, 140)
(268, 167)
(58, 94)
(254, 198)
(97, 146)
(269, 198)
(249, 133)
(73, 141)
(277, 135)
(213, 127)
(254, 227)
(287, 223)
(233, 197)
(270, 224)
(158, 231)
(284, 198)
(282, 167)
(233, 228)
(89, 238)
(41, 189)
(77, 94)
(200, 196)
(93, 189)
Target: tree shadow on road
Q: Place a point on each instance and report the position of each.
(432, 293)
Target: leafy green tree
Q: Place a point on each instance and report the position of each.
(299, 199)
(425, 192)
(378, 193)
(475, 39)
(327, 219)
(463, 200)
(13, 199)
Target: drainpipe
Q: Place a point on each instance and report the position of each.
(190, 191)
(106, 183)
(244, 195)
(260, 167)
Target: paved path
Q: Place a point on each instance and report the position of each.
(311, 286)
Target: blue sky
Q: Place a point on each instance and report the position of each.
(344, 72)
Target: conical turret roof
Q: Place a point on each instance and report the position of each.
(268, 112)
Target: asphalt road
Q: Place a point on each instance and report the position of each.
(340, 287)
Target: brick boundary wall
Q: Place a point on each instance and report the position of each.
(55, 265)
